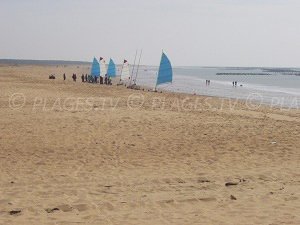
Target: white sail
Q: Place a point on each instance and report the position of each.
(102, 67)
(125, 73)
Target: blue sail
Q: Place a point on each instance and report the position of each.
(95, 71)
(111, 71)
(165, 72)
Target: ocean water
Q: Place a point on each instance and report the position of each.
(276, 87)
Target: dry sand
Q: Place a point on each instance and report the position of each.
(113, 160)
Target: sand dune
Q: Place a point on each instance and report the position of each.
(77, 153)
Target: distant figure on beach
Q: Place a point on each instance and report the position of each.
(208, 82)
(109, 81)
(105, 79)
(235, 83)
(86, 77)
(232, 83)
(96, 79)
(64, 76)
(91, 79)
(101, 80)
(74, 77)
(82, 78)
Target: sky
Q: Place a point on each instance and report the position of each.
(190, 32)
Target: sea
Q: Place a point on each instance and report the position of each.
(278, 87)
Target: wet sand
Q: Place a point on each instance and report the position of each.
(78, 153)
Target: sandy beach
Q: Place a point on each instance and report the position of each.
(79, 153)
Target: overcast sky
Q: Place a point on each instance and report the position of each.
(191, 32)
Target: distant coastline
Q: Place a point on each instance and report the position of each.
(244, 74)
(41, 62)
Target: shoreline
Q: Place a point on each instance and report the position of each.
(282, 106)
(245, 100)
(289, 101)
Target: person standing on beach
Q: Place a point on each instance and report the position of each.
(64, 76)
(82, 78)
(235, 83)
(86, 77)
(105, 79)
(232, 83)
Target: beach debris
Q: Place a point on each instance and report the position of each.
(52, 77)
(49, 210)
(232, 197)
(273, 142)
(14, 212)
(203, 180)
(231, 183)
(208, 199)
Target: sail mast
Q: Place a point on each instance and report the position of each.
(162, 52)
(134, 81)
(133, 67)
(122, 70)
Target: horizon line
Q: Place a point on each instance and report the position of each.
(6, 60)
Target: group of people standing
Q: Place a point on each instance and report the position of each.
(91, 79)
(234, 83)
(207, 82)
(84, 78)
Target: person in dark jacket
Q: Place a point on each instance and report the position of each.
(105, 79)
